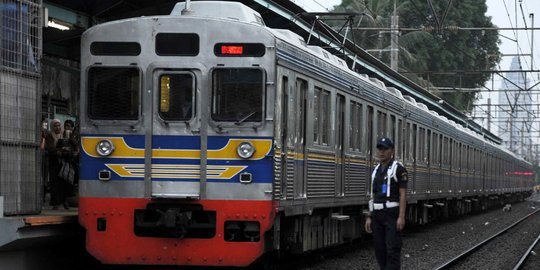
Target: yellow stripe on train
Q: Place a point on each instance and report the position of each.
(123, 150)
(176, 171)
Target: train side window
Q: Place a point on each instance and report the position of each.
(474, 159)
(448, 151)
(360, 135)
(113, 93)
(316, 109)
(434, 148)
(407, 142)
(421, 144)
(352, 126)
(457, 155)
(464, 156)
(453, 154)
(414, 152)
(443, 150)
(237, 95)
(325, 116)
(460, 155)
(393, 128)
(399, 139)
(176, 97)
(356, 126)
(427, 147)
(321, 111)
(369, 129)
(438, 150)
(381, 124)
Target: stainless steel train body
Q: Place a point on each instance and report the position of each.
(210, 139)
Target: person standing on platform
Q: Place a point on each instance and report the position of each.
(58, 149)
(386, 217)
(44, 160)
(71, 136)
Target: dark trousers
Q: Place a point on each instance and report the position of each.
(386, 238)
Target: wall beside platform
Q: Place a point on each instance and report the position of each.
(21, 24)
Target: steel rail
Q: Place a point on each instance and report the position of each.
(468, 252)
(526, 255)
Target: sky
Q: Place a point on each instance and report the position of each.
(503, 14)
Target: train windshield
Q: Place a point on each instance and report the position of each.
(237, 95)
(113, 93)
(176, 97)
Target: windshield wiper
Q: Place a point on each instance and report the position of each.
(241, 120)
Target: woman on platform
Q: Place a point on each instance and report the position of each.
(60, 149)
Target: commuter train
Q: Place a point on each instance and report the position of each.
(210, 139)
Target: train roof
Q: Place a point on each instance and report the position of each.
(236, 11)
(219, 9)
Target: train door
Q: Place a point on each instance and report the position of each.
(414, 154)
(428, 159)
(176, 155)
(340, 152)
(299, 102)
(408, 154)
(283, 135)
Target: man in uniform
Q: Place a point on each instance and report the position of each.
(386, 217)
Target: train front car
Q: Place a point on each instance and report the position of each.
(176, 124)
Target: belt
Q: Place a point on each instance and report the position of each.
(380, 206)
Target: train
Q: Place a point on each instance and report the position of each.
(208, 138)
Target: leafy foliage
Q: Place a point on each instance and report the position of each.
(437, 54)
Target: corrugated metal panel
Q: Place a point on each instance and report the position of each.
(277, 174)
(321, 179)
(435, 181)
(357, 179)
(290, 176)
(445, 180)
(455, 182)
(20, 100)
(420, 180)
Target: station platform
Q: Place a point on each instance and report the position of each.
(52, 239)
(20, 232)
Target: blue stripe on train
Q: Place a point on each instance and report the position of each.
(261, 170)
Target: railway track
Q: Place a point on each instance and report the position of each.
(461, 259)
(522, 262)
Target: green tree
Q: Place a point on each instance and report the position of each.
(430, 56)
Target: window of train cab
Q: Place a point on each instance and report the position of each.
(176, 96)
(238, 97)
(113, 92)
(176, 89)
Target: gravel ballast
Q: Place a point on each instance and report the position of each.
(432, 245)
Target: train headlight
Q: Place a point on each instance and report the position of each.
(105, 148)
(245, 150)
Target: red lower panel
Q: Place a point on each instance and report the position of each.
(119, 245)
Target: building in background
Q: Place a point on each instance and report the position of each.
(515, 115)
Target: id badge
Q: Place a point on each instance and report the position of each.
(384, 187)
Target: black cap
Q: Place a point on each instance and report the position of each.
(385, 143)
